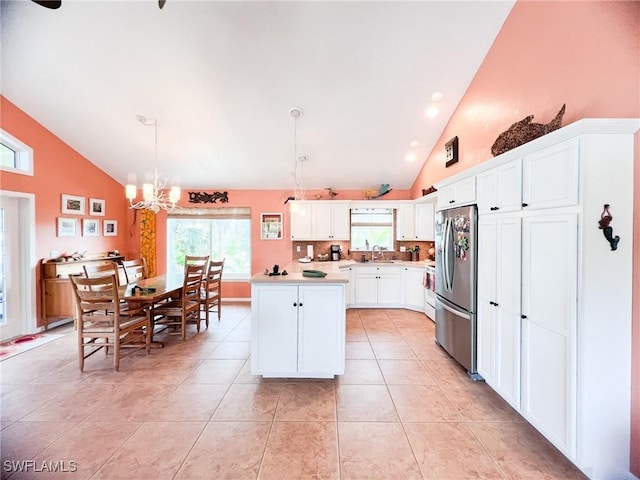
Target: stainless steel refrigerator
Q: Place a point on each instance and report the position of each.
(456, 278)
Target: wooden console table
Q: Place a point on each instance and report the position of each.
(55, 287)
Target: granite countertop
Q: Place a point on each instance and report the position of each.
(333, 270)
(294, 274)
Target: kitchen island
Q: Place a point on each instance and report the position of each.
(298, 323)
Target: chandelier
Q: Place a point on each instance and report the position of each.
(154, 195)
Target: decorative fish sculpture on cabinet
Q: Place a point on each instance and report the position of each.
(524, 131)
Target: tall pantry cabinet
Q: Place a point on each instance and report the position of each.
(554, 300)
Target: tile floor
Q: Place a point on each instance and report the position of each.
(402, 410)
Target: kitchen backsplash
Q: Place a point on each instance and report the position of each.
(323, 247)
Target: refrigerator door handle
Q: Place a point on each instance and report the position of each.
(457, 313)
(448, 243)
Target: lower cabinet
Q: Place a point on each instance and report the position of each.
(298, 330)
(549, 326)
(377, 286)
(412, 286)
(350, 290)
(499, 250)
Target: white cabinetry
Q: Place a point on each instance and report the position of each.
(500, 189)
(406, 219)
(350, 291)
(298, 330)
(551, 176)
(413, 287)
(425, 221)
(549, 301)
(301, 221)
(377, 286)
(320, 220)
(462, 192)
(415, 222)
(572, 340)
(499, 240)
(331, 220)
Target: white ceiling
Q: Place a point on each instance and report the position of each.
(221, 77)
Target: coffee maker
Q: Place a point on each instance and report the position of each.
(336, 252)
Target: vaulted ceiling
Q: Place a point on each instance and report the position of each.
(221, 77)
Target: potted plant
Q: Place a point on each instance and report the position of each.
(415, 253)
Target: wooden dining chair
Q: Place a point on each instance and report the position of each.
(102, 322)
(211, 293)
(184, 310)
(135, 269)
(197, 260)
(105, 270)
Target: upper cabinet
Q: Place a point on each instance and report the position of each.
(499, 190)
(405, 222)
(331, 220)
(550, 176)
(320, 220)
(301, 221)
(462, 192)
(415, 222)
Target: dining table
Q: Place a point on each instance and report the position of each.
(150, 291)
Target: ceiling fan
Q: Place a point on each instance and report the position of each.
(55, 4)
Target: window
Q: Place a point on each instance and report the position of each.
(15, 156)
(217, 232)
(371, 226)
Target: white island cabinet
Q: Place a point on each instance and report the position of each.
(298, 325)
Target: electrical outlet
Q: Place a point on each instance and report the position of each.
(298, 249)
(54, 254)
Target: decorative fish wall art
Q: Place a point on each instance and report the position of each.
(524, 131)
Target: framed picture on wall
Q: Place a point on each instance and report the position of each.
(271, 226)
(90, 227)
(96, 207)
(67, 227)
(71, 204)
(110, 228)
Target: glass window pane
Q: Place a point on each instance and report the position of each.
(7, 157)
(228, 239)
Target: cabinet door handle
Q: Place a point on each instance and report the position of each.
(295, 304)
(495, 304)
(525, 205)
(300, 304)
(452, 201)
(523, 316)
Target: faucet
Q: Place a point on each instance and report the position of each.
(373, 252)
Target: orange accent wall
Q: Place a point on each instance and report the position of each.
(584, 54)
(59, 169)
(264, 253)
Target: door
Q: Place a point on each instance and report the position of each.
(275, 329)
(320, 340)
(11, 314)
(549, 309)
(456, 256)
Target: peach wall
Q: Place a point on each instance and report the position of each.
(264, 253)
(59, 169)
(584, 54)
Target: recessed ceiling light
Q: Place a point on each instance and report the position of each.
(414, 144)
(431, 112)
(411, 157)
(436, 97)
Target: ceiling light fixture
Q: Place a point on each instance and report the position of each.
(436, 97)
(298, 160)
(154, 196)
(431, 112)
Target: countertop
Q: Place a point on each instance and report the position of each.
(333, 270)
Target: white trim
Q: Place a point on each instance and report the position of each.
(24, 154)
(27, 261)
